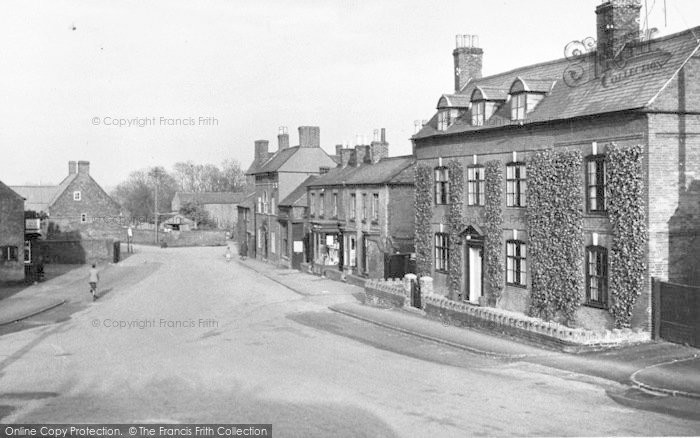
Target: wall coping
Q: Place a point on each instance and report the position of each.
(515, 322)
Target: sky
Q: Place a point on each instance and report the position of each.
(202, 80)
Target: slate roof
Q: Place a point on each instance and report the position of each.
(37, 198)
(635, 86)
(277, 160)
(294, 159)
(7, 189)
(393, 170)
(248, 201)
(298, 196)
(211, 197)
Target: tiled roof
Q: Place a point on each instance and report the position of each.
(298, 196)
(635, 86)
(387, 171)
(38, 198)
(211, 197)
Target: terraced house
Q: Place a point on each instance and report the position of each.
(361, 214)
(275, 176)
(583, 170)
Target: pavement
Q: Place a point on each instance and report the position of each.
(657, 368)
(40, 297)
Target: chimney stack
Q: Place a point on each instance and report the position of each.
(618, 24)
(309, 137)
(261, 147)
(347, 157)
(468, 58)
(379, 147)
(282, 138)
(84, 167)
(72, 167)
(338, 148)
(362, 154)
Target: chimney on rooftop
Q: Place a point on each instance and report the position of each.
(347, 157)
(362, 154)
(379, 147)
(338, 148)
(468, 58)
(72, 167)
(282, 138)
(261, 149)
(84, 167)
(618, 25)
(309, 137)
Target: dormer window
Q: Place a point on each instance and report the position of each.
(518, 105)
(450, 107)
(484, 103)
(526, 94)
(445, 118)
(478, 113)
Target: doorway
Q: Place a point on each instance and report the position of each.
(473, 276)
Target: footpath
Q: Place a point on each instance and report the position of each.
(662, 376)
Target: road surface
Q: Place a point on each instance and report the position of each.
(202, 340)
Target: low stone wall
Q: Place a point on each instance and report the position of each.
(516, 324)
(396, 293)
(195, 238)
(182, 238)
(385, 293)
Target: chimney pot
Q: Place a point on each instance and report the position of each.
(282, 138)
(72, 167)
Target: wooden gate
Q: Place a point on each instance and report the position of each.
(398, 265)
(676, 313)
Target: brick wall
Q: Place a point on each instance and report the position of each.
(76, 251)
(11, 233)
(527, 140)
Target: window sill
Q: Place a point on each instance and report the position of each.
(593, 305)
(519, 286)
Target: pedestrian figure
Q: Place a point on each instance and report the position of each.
(94, 278)
(228, 253)
(243, 250)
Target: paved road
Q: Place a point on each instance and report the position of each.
(219, 343)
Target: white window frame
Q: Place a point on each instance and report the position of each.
(478, 113)
(518, 106)
(83, 218)
(77, 196)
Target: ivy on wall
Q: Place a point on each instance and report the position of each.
(424, 214)
(493, 233)
(625, 192)
(555, 226)
(454, 225)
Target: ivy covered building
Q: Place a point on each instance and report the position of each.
(559, 189)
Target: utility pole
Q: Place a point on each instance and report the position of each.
(155, 173)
